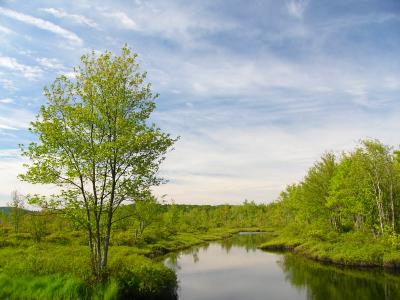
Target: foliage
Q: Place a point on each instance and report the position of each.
(359, 190)
(345, 210)
(97, 145)
(17, 209)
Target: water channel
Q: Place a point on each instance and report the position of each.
(235, 269)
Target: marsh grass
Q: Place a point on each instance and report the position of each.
(42, 287)
(58, 270)
(351, 248)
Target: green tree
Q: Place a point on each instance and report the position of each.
(379, 166)
(350, 199)
(316, 185)
(145, 211)
(16, 209)
(172, 218)
(97, 145)
(358, 191)
(37, 224)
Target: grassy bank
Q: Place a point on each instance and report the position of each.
(57, 267)
(62, 272)
(188, 239)
(352, 248)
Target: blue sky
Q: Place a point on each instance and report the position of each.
(257, 90)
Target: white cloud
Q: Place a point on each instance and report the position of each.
(80, 19)
(42, 24)
(2, 126)
(5, 30)
(227, 75)
(351, 21)
(14, 119)
(182, 24)
(120, 17)
(9, 153)
(10, 167)
(359, 92)
(391, 82)
(6, 100)
(29, 72)
(50, 63)
(231, 163)
(296, 8)
(7, 84)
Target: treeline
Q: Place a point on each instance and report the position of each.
(355, 191)
(143, 222)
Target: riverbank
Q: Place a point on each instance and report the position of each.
(354, 249)
(58, 268)
(185, 240)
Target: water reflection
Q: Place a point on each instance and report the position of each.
(236, 269)
(330, 282)
(246, 240)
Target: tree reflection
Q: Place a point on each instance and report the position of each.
(323, 282)
(248, 241)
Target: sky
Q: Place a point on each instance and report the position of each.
(257, 90)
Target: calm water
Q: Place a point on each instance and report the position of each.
(235, 269)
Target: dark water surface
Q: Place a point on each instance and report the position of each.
(235, 269)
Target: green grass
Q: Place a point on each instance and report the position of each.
(352, 248)
(132, 275)
(42, 287)
(58, 266)
(146, 284)
(35, 273)
(184, 240)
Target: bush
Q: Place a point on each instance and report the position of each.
(152, 281)
(141, 278)
(316, 234)
(57, 238)
(123, 238)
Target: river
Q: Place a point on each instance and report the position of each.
(235, 269)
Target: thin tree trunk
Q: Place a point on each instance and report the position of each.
(103, 263)
(106, 241)
(378, 198)
(392, 204)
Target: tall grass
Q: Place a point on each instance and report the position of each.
(66, 288)
(53, 273)
(44, 287)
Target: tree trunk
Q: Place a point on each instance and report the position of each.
(380, 211)
(379, 204)
(106, 244)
